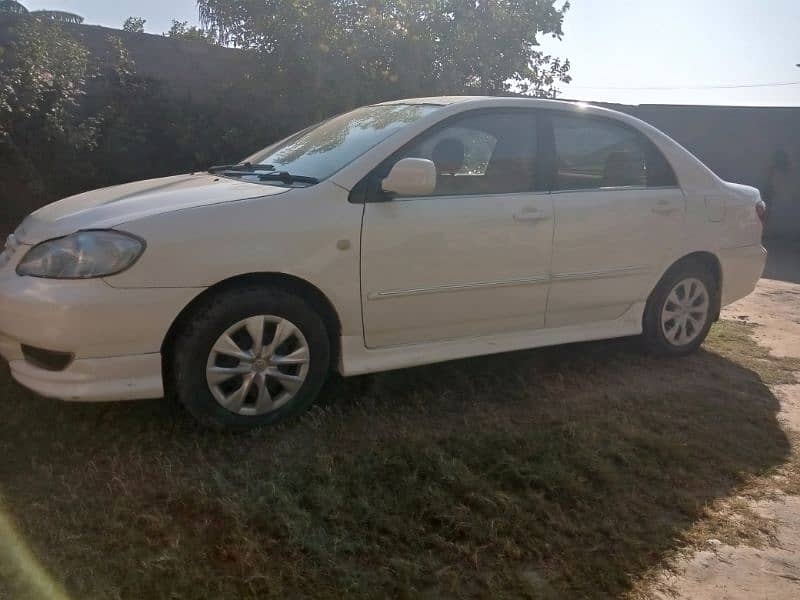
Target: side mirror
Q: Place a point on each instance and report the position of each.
(411, 177)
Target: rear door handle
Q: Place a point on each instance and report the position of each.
(531, 215)
(664, 207)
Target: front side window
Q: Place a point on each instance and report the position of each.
(598, 153)
(322, 150)
(484, 153)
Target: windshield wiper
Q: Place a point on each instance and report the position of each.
(287, 178)
(245, 167)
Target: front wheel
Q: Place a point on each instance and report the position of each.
(680, 311)
(250, 357)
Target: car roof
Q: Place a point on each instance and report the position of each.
(463, 102)
(488, 101)
(438, 100)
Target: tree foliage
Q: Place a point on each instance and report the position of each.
(417, 46)
(44, 73)
(72, 120)
(183, 31)
(58, 16)
(43, 77)
(134, 24)
(13, 7)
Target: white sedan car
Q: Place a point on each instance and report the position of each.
(395, 235)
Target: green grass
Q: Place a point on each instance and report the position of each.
(564, 471)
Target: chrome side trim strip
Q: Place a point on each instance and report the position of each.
(458, 286)
(457, 196)
(608, 273)
(604, 274)
(618, 188)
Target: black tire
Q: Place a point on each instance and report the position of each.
(654, 338)
(194, 343)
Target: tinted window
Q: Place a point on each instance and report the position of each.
(595, 153)
(322, 150)
(485, 153)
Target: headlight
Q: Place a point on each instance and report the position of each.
(82, 255)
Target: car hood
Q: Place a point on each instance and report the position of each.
(108, 207)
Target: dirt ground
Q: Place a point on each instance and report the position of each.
(723, 572)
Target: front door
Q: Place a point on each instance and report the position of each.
(471, 259)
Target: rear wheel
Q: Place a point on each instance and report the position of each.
(251, 357)
(681, 310)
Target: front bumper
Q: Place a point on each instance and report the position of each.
(95, 379)
(115, 335)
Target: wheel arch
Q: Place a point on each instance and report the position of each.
(705, 258)
(290, 283)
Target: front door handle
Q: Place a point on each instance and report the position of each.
(531, 215)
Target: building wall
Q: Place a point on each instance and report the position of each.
(754, 146)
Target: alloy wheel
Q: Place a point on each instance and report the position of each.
(685, 312)
(258, 365)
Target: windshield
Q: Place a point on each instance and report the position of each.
(321, 150)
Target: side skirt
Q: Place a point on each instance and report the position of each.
(356, 359)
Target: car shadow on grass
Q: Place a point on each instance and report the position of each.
(586, 465)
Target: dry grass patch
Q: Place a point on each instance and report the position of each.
(582, 466)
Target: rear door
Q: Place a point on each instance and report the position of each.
(471, 259)
(619, 216)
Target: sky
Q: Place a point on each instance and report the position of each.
(686, 48)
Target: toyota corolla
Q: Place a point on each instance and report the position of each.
(395, 235)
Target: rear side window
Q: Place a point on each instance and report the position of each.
(598, 153)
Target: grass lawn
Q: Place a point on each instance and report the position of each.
(563, 471)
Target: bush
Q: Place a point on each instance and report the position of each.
(70, 121)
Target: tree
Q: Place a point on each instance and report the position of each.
(59, 16)
(44, 74)
(405, 46)
(13, 7)
(134, 24)
(181, 30)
